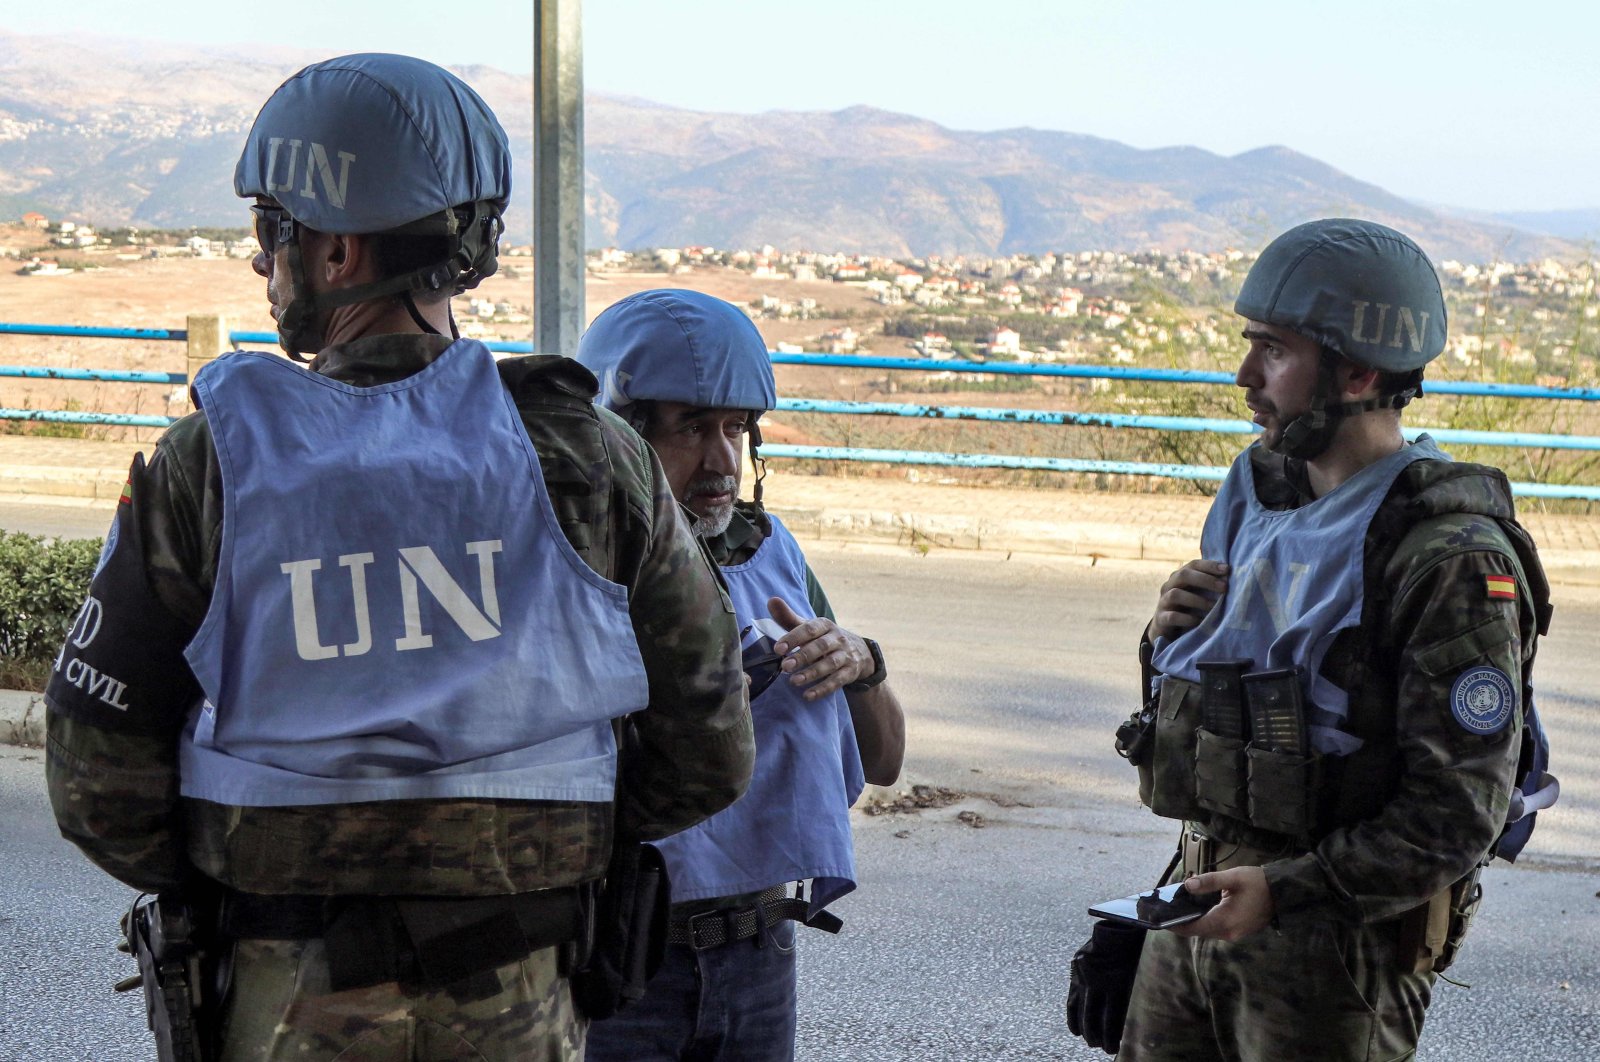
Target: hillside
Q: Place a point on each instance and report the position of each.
(132, 132)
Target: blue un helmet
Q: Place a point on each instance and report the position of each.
(378, 144)
(668, 345)
(1361, 290)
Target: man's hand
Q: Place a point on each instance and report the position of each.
(1187, 596)
(818, 655)
(1246, 906)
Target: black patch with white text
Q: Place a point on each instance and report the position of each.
(122, 664)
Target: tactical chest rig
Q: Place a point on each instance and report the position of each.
(1229, 755)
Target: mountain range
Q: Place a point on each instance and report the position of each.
(124, 132)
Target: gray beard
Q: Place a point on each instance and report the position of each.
(714, 524)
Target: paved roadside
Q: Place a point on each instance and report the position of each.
(87, 476)
(1122, 525)
(90, 474)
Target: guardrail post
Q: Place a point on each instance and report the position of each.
(208, 338)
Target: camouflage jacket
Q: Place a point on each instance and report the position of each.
(112, 766)
(1424, 799)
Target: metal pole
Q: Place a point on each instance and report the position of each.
(558, 222)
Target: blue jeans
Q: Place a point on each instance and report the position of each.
(734, 1003)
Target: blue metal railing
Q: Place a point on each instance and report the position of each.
(1120, 372)
(1134, 420)
(964, 413)
(88, 332)
(45, 372)
(1067, 464)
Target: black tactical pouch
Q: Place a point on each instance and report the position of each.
(630, 935)
(1281, 769)
(163, 935)
(1137, 734)
(628, 909)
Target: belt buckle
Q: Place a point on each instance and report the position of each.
(1204, 852)
(695, 921)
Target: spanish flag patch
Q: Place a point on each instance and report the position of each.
(1501, 587)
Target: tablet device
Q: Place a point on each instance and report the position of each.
(1163, 908)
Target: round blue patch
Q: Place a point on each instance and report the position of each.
(110, 545)
(1482, 699)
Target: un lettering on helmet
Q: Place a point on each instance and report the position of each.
(370, 143)
(1364, 289)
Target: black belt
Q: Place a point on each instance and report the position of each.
(427, 941)
(725, 925)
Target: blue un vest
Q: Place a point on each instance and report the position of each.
(1296, 581)
(397, 614)
(793, 822)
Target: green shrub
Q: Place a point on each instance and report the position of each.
(42, 584)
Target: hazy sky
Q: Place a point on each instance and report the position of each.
(1471, 103)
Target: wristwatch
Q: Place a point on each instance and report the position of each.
(879, 672)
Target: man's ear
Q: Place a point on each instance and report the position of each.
(346, 260)
(1355, 380)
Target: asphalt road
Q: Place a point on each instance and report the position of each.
(66, 518)
(1013, 672)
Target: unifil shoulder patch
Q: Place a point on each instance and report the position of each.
(1501, 587)
(1482, 700)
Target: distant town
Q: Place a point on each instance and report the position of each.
(1529, 321)
(1526, 321)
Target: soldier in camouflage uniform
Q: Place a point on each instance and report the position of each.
(395, 836)
(1339, 690)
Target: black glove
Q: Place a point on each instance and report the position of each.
(1102, 983)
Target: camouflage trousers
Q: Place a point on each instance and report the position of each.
(280, 1008)
(1317, 991)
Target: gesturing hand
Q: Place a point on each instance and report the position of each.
(1187, 596)
(819, 655)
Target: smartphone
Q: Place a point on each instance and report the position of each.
(1163, 908)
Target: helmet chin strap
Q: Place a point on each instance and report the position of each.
(1310, 434)
(476, 238)
(756, 460)
(296, 324)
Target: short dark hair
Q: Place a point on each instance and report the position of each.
(1394, 383)
(398, 254)
(1389, 383)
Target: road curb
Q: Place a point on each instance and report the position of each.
(926, 531)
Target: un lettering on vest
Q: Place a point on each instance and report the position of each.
(417, 567)
(1261, 585)
(1406, 330)
(318, 169)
